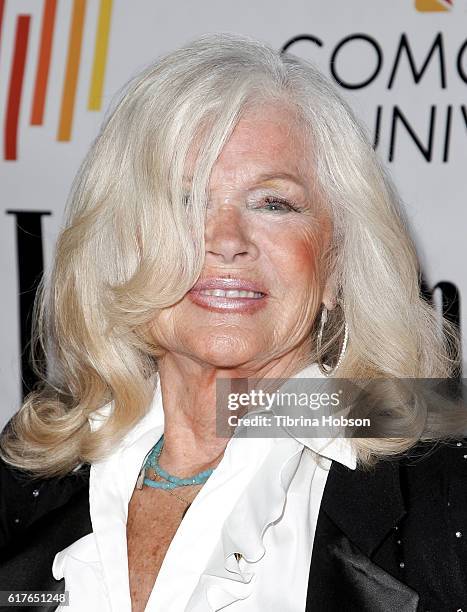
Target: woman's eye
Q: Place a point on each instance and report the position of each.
(277, 204)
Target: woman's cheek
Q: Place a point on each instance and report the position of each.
(302, 250)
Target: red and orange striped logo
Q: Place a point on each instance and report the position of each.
(44, 57)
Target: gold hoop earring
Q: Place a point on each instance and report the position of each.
(324, 369)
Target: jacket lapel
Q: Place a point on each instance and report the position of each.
(358, 510)
(365, 505)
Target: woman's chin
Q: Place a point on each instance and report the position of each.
(227, 352)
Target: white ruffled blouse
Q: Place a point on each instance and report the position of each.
(261, 501)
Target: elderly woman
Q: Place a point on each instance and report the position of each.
(231, 220)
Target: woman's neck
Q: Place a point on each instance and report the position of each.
(191, 441)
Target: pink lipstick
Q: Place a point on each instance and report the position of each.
(228, 295)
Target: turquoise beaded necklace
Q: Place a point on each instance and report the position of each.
(170, 482)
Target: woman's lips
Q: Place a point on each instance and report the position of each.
(228, 295)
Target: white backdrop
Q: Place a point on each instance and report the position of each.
(384, 43)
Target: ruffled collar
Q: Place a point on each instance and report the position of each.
(226, 578)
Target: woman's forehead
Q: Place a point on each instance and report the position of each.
(267, 147)
(273, 133)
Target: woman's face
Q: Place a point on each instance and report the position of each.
(266, 235)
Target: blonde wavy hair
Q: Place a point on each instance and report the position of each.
(132, 244)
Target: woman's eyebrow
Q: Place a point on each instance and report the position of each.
(268, 179)
(275, 179)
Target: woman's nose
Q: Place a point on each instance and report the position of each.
(227, 237)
